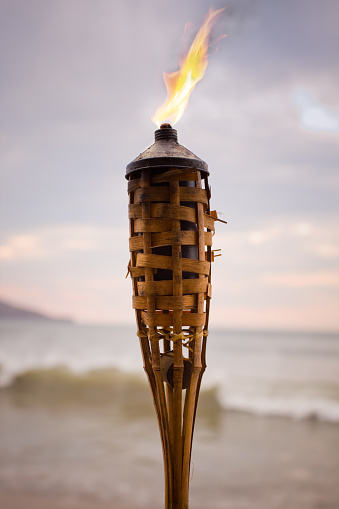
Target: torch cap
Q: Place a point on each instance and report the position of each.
(166, 152)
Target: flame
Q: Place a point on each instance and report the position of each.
(180, 84)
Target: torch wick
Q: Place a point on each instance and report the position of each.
(165, 126)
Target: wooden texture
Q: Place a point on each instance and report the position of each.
(186, 238)
(171, 230)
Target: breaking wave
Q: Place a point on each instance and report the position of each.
(290, 375)
(114, 388)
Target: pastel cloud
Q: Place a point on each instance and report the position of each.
(313, 115)
(56, 240)
(308, 279)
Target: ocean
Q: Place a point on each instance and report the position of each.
(77, 419)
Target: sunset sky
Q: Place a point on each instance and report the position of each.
(80, 81)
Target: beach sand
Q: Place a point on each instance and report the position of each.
(10, 500)
(239, 462)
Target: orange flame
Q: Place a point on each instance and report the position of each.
(180, 84)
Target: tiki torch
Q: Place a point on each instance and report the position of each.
(171, 229)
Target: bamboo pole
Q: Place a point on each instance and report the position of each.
(192, 390)
(160, 392)
(178, 358)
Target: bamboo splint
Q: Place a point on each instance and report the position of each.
(171, 228)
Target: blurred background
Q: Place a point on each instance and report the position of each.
(80, 81)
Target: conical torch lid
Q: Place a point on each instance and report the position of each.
(166, 152)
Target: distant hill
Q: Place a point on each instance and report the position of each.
(9, 311)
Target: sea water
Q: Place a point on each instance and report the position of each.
(292, 374)
(76, 417)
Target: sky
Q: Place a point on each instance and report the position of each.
(80, 81)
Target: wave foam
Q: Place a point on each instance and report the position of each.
(297, 408)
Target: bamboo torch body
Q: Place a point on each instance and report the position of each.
(170, 243)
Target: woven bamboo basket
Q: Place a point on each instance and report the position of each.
(171, 228)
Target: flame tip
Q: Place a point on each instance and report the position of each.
(181, 83)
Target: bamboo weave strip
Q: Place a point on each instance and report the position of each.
(155, 319)
(166, 302)
(189, 286)
(186, 238)
(138, 271)
(149, 225)
(182, 175)
(166, 262)
(166, 210)
(162, 194)
(157, 225)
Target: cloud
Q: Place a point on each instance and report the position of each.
(328, 251)
(60, 240)
(315, 116)
(321, 317)
(300, 238)
(299, 279)
(265, 235)
(74, 270)
(304, 229)
(22, 246)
